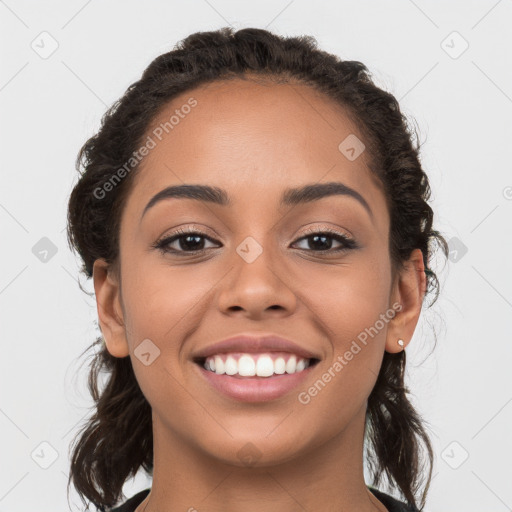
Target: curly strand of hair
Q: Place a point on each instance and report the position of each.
(390, 420)
(120, 427)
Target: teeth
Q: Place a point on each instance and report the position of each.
(291, 365)
(230, 366)
(279, 366)
(260, 365)
(219, 365)
(264, 366)
(246, 366)
(300, 365)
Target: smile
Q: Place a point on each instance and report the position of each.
(260, 365)
(255, 377)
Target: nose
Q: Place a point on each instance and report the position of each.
(257, 287)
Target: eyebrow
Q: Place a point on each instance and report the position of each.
(290, 197)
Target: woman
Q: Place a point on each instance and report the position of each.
(254, 217)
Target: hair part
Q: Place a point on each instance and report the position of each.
(117, 440)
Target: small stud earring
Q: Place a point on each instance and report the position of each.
(401, 343)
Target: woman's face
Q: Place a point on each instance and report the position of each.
(257, 268)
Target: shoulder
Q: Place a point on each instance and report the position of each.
(392, 504)
(131, 504)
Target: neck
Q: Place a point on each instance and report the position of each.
(327, 477)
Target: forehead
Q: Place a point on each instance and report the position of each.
(251, 139)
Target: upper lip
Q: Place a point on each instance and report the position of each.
(255, 343)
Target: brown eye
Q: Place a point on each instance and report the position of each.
(188, 242)
(321, 241)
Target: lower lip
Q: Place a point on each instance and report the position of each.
(255, 389)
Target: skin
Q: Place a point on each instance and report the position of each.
(254, 140)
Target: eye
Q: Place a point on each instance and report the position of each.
(189, 241)
(322, 241)
(193, 241)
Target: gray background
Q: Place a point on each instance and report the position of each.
(461, 100)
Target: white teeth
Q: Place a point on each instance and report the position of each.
(246, 366)
(219, 365)
(261, 365)
(264, 366)
(279, 366)
(230, 366)
(291, 365)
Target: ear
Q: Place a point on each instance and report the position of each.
(408, 290)
(109, 307)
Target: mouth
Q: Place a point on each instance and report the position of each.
(262, 365)
(255, 377)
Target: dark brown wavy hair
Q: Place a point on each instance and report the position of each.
(117, 439)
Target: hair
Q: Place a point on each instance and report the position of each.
(117, 440)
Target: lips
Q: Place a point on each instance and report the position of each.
(247, 343)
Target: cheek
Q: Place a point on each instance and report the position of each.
(349, 297)
(163, 305)
(158, 298)
(350, 303)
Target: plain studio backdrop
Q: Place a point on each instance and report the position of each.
(448, 64)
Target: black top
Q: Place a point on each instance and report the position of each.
(392, 504)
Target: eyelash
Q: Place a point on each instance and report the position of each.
(348, 243)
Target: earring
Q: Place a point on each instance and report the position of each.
(401, 343)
